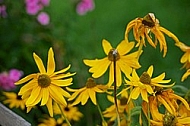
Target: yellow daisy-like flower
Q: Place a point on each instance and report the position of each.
(144, 27)
(46, 85)
(71, 112)
(123, 107)
(89, 91)
(145, 84)
(124, 63)
(52, 122)
(14, 100)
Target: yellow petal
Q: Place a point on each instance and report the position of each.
(124, 66)
(90, 62)
(106, 46)
(49, 106)
(118, 75)
(55, 95)
(36, 92)
(62, 71)
(144, 95)
(27, 78)
(111, 76)
(169, 34)
(187, 73)
(51, 62)
(128, 28)
(60, 76)
(29, 86)
(150, 70)
(100, 68)
(65, 82)
(39, 63)
(92, 95)
(78, 100)
(124, 47)
(135, 93)
(45, 96)
(84, 97)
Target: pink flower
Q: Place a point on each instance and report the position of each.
(3, 12)
(84, 6)
(44, 2)
(43, 18)
(7, 80)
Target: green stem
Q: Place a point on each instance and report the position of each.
(67, 121)
(129, 109)
(99, 110)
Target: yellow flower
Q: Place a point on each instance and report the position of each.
(123, 107)
(52, 122)
(70, 112)
(46, 85)
(89, 91)
(185, 59)
(14, 100)
(144, 27)
(124, 63)
(145, 84)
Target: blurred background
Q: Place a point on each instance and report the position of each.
(76, 35)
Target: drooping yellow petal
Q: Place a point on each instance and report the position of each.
(118, 75)
(187, 73)
(39, 63)
(92, 95)
(144, 95)
(34, 95)
(185, 120)
(124, 47)
(27, 78)
(161, 100)
(124, 66)
(135, 93)
(45, 96)
(111, 75)
(78, 100)
(169, 34)
(49, 106)
(106, 46)
(84, 97)
(56, 95)
(51, 62)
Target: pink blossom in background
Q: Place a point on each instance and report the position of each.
(84, 6)
(3, 12)
(7, 79)
(43, 18)
(32, 6)
(44, 2)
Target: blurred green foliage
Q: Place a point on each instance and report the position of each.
(74, 38)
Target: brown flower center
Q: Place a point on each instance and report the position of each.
(44, 80)
(123, 100)
(149, 20)
(66, 109)
(169, 119)
(90, 83)
(113, 54)
(145, 78)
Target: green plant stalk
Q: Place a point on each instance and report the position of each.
(101, 115)
(67, 121)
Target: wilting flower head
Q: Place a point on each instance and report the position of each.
(84, 6)
(43, 18)
(45, 86)
(185, 59)
(89, 91)
(145, 27)
(145, 84)
(124, 62)
(7, 79)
